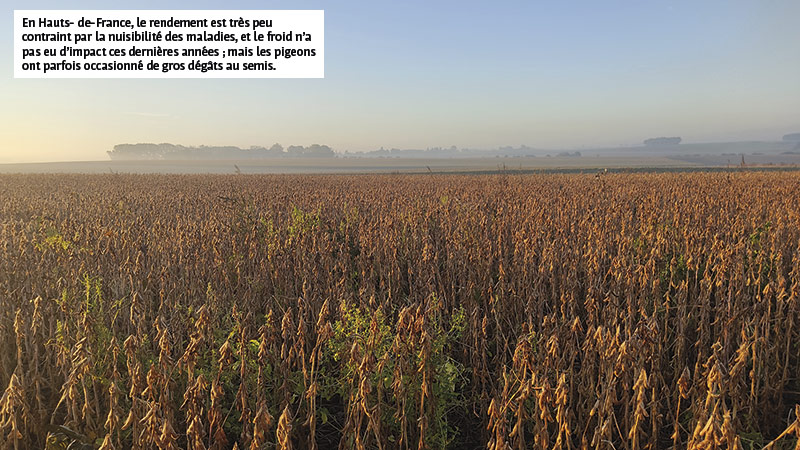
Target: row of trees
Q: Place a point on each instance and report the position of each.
(171, 151)
(793, 137)
(662, 141)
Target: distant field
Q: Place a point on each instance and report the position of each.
(734, 160)
(344, 165)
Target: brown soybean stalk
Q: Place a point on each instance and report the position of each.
(633, 311)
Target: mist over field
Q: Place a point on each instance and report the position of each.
(545, 75)
(656, 153)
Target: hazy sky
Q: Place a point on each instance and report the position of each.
(418, 74)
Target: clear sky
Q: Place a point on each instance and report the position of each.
(417, 74)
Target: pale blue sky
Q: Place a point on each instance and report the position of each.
(416, 74)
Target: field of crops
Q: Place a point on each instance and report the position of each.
(620, 311)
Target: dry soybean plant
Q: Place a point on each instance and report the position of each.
(628, 311)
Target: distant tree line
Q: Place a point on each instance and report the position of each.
(444, 152)
(793, 137)
(172, 151)
(663, 141)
